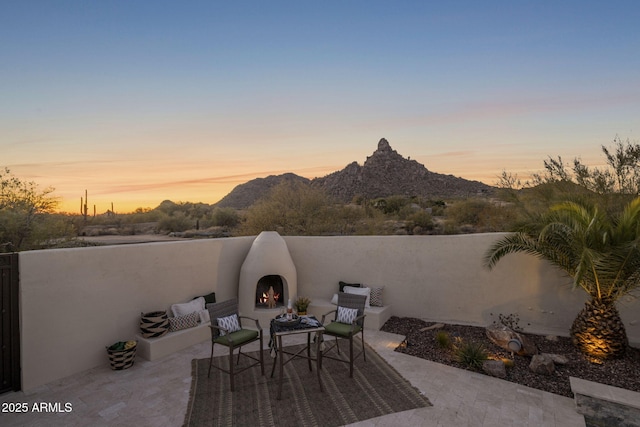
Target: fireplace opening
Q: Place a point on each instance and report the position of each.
(270, 292)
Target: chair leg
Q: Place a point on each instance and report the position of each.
(337, 346)
(261, 356)
(364, 355)
(210, 360)
(231, 367)
(350, 356)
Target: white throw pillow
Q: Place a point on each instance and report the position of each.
(230, 323)
(204, 316)
(359, 291)
(334, 300)
(188, 307)
(347, 315)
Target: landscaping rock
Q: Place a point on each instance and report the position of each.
(495, 368)
(542, 364)
(435, 326)
(558, 359)
(500, 335)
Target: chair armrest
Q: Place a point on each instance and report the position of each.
(356, 320)
(254, 319)
(326, 314)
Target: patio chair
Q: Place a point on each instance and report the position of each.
(227, 330)
(347, 323)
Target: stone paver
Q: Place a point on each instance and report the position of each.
(156, 394)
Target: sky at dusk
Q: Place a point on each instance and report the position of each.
(142, 101)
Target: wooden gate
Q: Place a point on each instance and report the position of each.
(9, 324)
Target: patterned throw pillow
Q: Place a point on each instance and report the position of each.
(183, 322)
(347, 315)
(376, 297)
(230, 323)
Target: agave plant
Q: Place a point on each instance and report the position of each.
(602, 255)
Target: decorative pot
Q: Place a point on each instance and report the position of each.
(154, 324)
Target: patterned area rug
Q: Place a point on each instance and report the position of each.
(376, 389)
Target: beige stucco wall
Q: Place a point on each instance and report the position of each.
(74, 302)
(441, 278)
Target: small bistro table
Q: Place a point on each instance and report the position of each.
(279, 330)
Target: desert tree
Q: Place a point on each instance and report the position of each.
(24, 210)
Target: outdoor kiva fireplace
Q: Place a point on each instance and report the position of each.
(268, 278)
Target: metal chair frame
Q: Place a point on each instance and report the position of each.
(348, 301)
(228, 308)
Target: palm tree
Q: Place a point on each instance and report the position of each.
(600, 252)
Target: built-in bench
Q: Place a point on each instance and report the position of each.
(605, 405)
(376, 316)
(156, 348)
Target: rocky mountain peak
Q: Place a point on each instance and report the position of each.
(385, 173)
(383, 145)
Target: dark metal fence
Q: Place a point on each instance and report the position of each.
(9, 324)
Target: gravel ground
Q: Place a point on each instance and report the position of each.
(623, 372)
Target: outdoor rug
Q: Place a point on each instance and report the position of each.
(376, 389)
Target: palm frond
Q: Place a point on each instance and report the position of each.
(600, 253)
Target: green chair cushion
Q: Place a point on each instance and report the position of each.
(341, 329)
(238, 337)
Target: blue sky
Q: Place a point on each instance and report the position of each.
(141, 101)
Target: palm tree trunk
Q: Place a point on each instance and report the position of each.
(598, 330)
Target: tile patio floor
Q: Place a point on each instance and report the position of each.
(156, 394)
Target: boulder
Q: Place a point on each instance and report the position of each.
(558, 359)
(495, 368)
(500, 335)
(542, 364)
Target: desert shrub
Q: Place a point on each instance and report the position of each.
(480, 215)
(141, 215)
(291, 208)
(391, 205)
(374, 225)
(422, 219)
(437, 207)
(175, 223)
(442, 339)
(470, 354)
(223, 217)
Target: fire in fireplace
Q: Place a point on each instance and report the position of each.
(263, 292)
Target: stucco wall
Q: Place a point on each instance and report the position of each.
(442, 278)
(74, 302)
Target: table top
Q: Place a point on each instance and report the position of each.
(307, 324)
